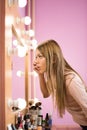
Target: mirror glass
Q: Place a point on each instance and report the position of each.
(18, 64)
(23, 86)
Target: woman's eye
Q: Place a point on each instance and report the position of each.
(40, 56)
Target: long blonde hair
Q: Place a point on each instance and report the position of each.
(56, 64)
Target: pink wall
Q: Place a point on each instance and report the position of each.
(66, 22)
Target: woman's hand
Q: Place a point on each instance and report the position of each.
(43, 85)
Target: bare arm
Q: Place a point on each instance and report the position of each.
(43, 86)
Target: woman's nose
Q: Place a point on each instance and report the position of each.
(36, 60)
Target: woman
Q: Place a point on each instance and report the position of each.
(60, 80)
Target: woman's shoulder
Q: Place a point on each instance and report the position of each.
(69, 75)
(72, 77)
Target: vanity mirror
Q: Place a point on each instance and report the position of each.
(8, 63)
(25, 38)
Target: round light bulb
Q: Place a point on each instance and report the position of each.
(20, 73)
(22, 3)
(21, 51)
(21, 103)
(15, 42)
(31, 33)
(27, 20)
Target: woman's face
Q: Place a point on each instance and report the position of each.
(39, 62)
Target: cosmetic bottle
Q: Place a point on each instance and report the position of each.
(50, 121)
(47, 125)
(39, 122)
(47, 120)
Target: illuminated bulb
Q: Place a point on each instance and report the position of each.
(9, 20)
(34, 43)
(21, 51)
(15, 42)
(19, 103)
(35, 74)
(20, 73)
(27, 20)
(22, 3)
(31, 33)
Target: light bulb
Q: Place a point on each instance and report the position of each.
(22, 3)
(31, 33)
(27, 20)
(35, 74)
(21, 51)
(21, 103)
(34, 44)
(20, 73)
(9, 20)
(15, 42)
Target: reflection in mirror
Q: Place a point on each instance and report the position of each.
(15, 34)
(18, 63)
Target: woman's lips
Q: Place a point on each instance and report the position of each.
(38, 68)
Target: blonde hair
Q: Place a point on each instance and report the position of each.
(56, 64)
